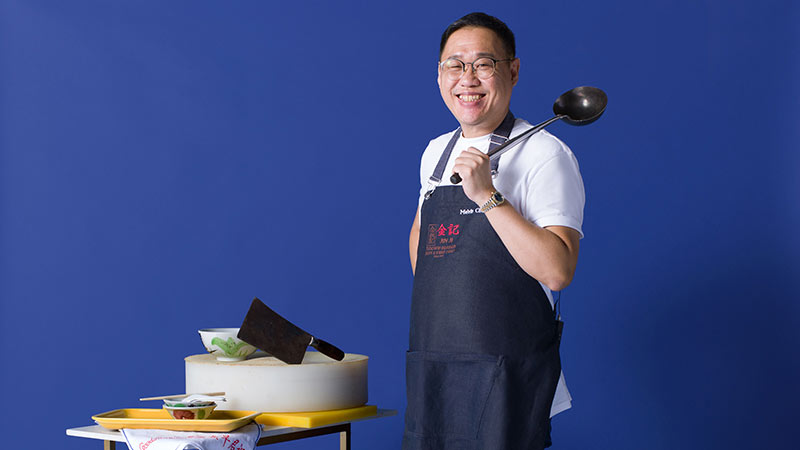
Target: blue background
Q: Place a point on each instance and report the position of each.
(161, 163)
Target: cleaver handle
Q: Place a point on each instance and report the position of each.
(327, 348)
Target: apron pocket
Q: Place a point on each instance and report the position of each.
(447, 392)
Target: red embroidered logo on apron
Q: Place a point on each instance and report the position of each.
(441, 239)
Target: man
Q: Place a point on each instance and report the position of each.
(483, 367)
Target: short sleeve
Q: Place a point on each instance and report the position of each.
(556, 195)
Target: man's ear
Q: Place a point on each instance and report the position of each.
(514, 71)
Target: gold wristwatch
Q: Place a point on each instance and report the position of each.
(495, 199)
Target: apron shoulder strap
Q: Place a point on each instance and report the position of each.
(499, 137)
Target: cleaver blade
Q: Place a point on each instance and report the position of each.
(265, 329)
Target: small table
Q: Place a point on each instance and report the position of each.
(269, 434)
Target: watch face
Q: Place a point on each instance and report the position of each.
(498, 197)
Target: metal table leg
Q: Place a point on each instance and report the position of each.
(344, 438)
(342, 429)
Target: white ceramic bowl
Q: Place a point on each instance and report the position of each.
(223, 343)
(190, 412)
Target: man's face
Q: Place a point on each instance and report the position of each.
(478, 105)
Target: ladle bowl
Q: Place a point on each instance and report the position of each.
(581, 106)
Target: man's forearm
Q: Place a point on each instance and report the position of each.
(548, 254)
(413, 241)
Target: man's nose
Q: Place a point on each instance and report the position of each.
(469, 77)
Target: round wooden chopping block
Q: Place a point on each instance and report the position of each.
(264, 383)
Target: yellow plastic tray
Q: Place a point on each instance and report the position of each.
(219, 420)
(316, 418)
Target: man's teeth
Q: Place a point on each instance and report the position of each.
(469, 98)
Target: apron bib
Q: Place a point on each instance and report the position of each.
(483, 361)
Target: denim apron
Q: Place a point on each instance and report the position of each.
(483, 360)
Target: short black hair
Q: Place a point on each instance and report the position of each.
(482, 20)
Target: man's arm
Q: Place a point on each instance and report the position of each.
(413, 241)
(548, 254)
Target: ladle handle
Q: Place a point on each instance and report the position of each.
(495, 153)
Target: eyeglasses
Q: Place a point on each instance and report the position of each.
(483, 67)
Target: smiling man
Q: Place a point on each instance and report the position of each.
(483, 368)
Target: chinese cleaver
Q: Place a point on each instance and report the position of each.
(265, 329)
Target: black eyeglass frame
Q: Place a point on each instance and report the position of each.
(472, 64)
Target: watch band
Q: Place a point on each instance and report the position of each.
(495, 199)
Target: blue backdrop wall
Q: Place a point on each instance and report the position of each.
(161, 163)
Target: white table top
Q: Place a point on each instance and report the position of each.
(98, 432)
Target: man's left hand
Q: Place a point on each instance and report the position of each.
(476, 174)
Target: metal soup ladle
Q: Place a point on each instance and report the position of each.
(580, 106)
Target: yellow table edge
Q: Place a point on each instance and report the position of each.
(312, 419)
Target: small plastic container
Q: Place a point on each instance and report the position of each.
(225, 344)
